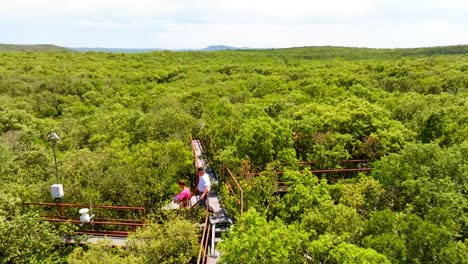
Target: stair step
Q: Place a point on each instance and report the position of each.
(218, 239)
(221, 229)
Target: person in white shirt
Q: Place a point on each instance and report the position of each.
(203, 186)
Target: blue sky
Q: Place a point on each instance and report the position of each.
(176, 24)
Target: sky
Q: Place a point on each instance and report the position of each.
(183, 24)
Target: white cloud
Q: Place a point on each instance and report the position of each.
(96, 24)
(61, 8)
(418, 34)
(294, 8)
(254, 23)
(204, 8)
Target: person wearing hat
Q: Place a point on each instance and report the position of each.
(203, 186)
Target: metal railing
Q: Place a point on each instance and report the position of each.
(204, 240)
(241, 191)
(320, 171)
(341, 161)
(131, 223)
(117, 207)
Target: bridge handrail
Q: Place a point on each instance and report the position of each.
(132, 208)
(321, 171)
(131, 223)
(341, 161)
(240, 189)
(202, 249)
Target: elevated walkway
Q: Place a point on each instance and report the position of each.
(217, 221)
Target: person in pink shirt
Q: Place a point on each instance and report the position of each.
(184, 196)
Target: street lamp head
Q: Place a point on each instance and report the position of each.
(54, 137)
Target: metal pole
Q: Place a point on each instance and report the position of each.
(53, 137)
(55, 160)
(213, 236)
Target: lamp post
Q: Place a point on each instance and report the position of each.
(53, 137)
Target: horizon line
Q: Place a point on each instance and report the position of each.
(228, 46)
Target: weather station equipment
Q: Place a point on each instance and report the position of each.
(56, 189)
(84, 216)
(117, 229)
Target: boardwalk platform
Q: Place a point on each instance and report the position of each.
(220, 223)
(218, 220)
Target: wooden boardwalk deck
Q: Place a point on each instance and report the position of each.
(219, 221)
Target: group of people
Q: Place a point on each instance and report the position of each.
(203, 188)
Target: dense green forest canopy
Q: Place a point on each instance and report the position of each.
(125, 121)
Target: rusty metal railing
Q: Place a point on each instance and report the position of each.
(321, 171)
(341, 161)
(204, 240)
(117, 207)
(208, 231)
(131, 223)
(241, 191)
(282, 187)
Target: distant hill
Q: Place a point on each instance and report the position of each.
(310, 52)
(118, 50)
(327, 52)
(314, 52)
(115, 50)
(219, 47)
(39, 47)
(49, 47)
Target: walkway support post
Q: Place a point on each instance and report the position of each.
(213, 234)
